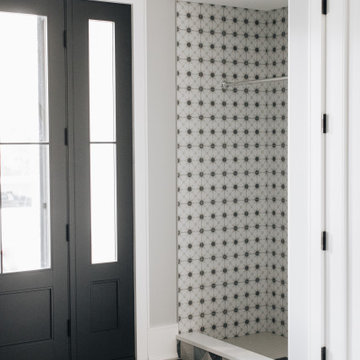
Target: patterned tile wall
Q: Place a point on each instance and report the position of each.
(232, 170)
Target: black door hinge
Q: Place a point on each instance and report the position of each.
(324, 241)
(323, 353)
(65, 39)
(324, 7)
(66, 137)
(67, 232)
(324, 123)
(69, 328)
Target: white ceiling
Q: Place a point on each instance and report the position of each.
(250, 4)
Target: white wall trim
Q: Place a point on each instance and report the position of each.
(337, 180)
(354, 181)
(161, 112)
(305, 180)
(162, 342)
(142, 291)
(316, 204)
(141, 182)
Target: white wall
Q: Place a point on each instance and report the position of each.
(162, 160)
(155, 176)
(161, 98)
(155, 126)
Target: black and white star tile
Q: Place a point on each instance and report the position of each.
(232, 170)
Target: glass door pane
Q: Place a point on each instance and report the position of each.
(23, 74)
(103, 203)
(24, 207)
(102, 135)
(24, 143)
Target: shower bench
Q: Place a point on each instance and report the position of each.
(261, 346)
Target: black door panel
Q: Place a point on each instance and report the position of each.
(104, 291)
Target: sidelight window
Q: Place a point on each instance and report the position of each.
(102, 141)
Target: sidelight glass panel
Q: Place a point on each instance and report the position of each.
(103, 203)
(102, 80)
(24, 144)
(23, 78)
(25, 207)
(102, 124)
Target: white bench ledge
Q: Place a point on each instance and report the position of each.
(220, 348)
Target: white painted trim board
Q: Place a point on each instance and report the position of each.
(354, 180)
(305, 179)
(162, 342)
(337, 85)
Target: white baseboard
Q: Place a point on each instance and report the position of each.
(162, 342)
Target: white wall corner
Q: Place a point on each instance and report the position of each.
(162, 342)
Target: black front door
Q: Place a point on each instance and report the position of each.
(66, 224)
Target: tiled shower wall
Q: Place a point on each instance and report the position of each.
(232, 171)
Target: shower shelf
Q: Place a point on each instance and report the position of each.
(261, 346)
(226, 84)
